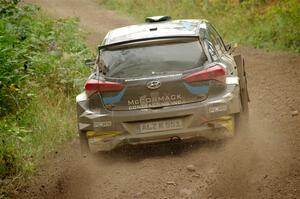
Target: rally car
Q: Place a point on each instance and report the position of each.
(159, 81)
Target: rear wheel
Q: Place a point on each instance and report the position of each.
(85, 149)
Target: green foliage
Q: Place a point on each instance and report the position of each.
(278, 26)
(39, 129)
(48, 121)
(36, 51)
(264, 24)
(41, 70)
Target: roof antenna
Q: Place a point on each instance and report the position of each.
(155, 19)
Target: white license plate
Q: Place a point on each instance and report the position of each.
(163, 125)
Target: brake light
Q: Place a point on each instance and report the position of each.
(93, 85)
(213, 73)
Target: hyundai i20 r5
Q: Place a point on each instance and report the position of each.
(161, 80)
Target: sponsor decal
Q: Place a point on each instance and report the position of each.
(196, 89)
(116, 98)
(217, 108)
(103, 124)
(154, 100)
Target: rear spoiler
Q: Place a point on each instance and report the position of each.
(144, 39)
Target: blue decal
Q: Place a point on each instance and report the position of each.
(114, 99)
(186, 24)
(196, 89)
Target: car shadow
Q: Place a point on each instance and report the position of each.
(136, 153)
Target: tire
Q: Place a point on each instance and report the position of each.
(84, 144)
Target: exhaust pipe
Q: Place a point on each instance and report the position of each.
(175, 139)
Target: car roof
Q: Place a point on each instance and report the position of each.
(174, 28)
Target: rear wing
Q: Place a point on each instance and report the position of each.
(145, 39)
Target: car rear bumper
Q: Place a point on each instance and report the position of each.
(213, 130)
(210, 119)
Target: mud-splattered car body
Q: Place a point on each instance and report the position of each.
(160, 81)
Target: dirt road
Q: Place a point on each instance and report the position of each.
(261, 163)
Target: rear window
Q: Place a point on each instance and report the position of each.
(153, 60)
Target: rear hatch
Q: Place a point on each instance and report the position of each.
(156, 75)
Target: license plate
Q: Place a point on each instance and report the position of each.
(163, 125)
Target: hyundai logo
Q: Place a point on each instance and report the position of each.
(153, 84)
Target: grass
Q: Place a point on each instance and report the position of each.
(264, 24)
(41, 71)
(48, 122)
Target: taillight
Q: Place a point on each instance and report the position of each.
(213, 73)
(93, 85)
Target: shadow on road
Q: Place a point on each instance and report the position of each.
(136, 153)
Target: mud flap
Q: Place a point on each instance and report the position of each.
(240, 63)
(85, 149)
